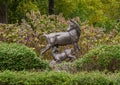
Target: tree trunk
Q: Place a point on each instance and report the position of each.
(6, 13)
(51, 7)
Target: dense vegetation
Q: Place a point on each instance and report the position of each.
(97, 12)
(19, 57)
(106, 57)
(30, 31)
(58, 78)
(99, 51)
(97, 63)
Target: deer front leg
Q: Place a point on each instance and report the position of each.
(45, 49)
(71, 57)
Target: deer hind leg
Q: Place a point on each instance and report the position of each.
(50, 43)
(76, 47)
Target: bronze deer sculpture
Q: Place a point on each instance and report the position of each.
(71, 36)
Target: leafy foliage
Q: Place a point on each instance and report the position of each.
(43, 78)
(91, 38)
(101, 58)
(66, 7)
(24, 7)
(19, 57)
(30, 32)
(98, 13)
(93, 78)
(58, 78)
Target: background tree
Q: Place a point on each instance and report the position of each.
(100, 13)
(51, 7)
(42, 6)
(66, 7)
(4, 5)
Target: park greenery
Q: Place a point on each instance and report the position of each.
(19, 57)
(100, 13)
(21, 40)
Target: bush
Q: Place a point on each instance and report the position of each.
(57, 78)
(118, 78)
(34, 78)
(24, 7)
(19, 57)
(101, 58)
(92, 78)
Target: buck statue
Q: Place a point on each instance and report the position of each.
(70, 36)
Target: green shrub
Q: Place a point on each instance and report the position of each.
(19, 57)
(57, 78)
(23, 8)
(101, 58)
(118, 78)
(92, 78)
(34, 78)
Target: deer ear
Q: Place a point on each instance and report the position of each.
(71, 20)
